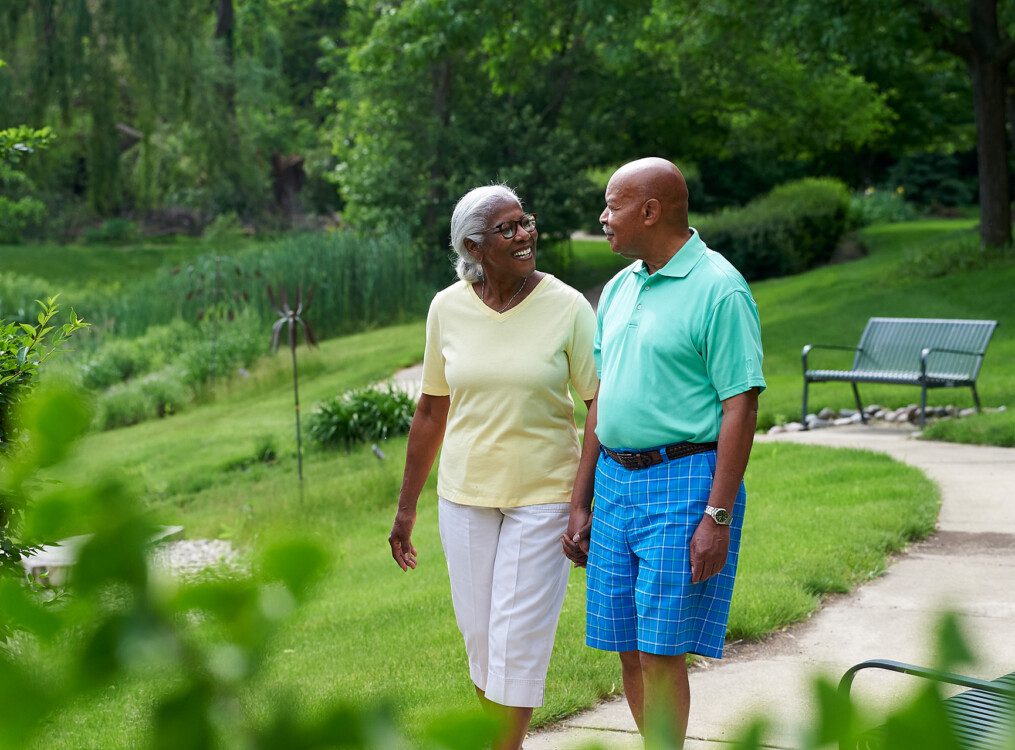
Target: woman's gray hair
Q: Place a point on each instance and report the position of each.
(469, 221)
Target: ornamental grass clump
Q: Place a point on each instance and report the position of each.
(361, 416)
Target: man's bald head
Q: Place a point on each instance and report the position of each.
(657, 178)
(646, 211)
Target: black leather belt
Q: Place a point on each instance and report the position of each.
(653, 456)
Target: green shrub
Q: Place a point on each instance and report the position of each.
(956, 254)
(226, 229)
(112, 230)
(119, 359)
(19, 217)
(361, 416)
(155, 395)
(114, 362)
(223, 346)
(880, 207)
(933, 180)
(18, 295)
(795, 227)
(24, 348)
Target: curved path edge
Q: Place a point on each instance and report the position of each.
(967, 565)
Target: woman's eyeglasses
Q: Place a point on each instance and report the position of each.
(507, 229)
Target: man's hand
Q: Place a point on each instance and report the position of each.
(709, 547)
(400, 540)
(576, 539)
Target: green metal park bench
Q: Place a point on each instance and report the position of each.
(927, 352)
(982, 718)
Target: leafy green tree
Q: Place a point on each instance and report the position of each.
(172, 104)
(936, 41)
(19, 209)
(433, 98)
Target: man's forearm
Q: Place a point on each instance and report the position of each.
(584, 483)
(736, 438)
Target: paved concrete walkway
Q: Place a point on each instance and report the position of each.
(968, 566)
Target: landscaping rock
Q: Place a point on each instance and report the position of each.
(847, 412)
(776, 429)
(793, 427)
(827, 413)
(967, 412)
(191, 556)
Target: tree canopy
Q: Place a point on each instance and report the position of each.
(388, 111)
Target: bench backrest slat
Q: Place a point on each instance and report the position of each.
(894, 344)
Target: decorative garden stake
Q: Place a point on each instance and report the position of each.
(293, 318)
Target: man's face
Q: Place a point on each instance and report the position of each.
(621, 219)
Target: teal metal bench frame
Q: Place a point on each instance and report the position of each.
(982, 717)
(928, 352)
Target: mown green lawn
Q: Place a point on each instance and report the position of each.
(979, 429)
(375, 633)
(80, 264)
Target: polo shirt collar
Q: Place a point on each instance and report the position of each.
(682, 262)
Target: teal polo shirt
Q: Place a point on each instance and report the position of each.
(671, 346)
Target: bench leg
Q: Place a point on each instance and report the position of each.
(859, 403)
(976, 399)
(923, 405)
(803, 409)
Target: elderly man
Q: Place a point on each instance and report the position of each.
(668, 436)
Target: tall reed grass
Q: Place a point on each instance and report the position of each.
(358, 282)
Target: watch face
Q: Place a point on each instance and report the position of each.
(722, 516)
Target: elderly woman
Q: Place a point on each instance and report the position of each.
(502, 345)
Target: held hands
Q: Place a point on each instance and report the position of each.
(575, 540)
(400, 540)
(709, 547)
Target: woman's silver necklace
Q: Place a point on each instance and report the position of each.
(517, 292)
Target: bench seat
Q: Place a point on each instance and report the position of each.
(889, 377)
(925, 352)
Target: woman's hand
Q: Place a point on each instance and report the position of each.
(400, 539)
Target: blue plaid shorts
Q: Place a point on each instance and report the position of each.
(640, 596)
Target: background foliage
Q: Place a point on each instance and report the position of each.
(279, 110)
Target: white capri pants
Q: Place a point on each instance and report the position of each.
(508, 580)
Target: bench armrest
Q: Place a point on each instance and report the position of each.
(926, 352)
(807, 350)
(927, 673)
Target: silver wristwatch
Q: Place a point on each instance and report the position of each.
(720, 515)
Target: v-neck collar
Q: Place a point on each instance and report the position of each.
(507, 313)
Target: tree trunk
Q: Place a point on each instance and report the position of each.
(434, 218)
(288, 177)
(225, 22)
(988, 65)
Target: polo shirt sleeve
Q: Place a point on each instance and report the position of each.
(581, 359)
(435, 382)
(597, 340)
(733, 346)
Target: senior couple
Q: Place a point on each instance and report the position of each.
(652, 502)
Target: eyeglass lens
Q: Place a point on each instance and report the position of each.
(527, 222)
